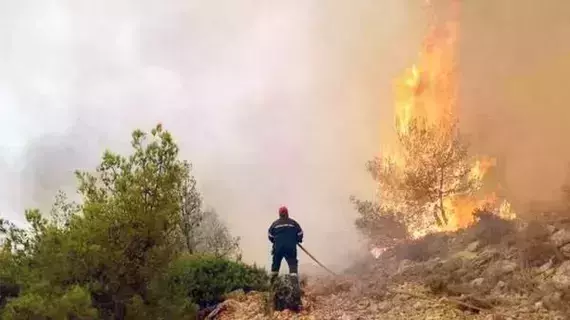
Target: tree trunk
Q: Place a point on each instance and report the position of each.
(441, 207)
(437, 219)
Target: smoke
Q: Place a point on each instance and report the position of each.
(274, 102)
(514, 65)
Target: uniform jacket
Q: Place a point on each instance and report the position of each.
(285, 233)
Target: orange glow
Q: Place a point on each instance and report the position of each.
(427, 92)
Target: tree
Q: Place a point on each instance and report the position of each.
(434, 165)
(214, 237)
(202, 230)
(121, 237)
(191, 214)
(106, 257)
(381, 226)
(131, 213)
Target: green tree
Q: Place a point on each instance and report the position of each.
(122, 236)
(103, 258)
(131, 213)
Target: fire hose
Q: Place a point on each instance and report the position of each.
(315, 259)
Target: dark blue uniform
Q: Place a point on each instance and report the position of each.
(285, 233)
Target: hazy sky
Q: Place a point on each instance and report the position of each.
(274, 102)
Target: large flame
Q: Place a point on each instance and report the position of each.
(428, 91)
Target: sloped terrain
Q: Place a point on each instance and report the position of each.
(495, 269)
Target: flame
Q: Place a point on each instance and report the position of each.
(482, 167)
(427, 91)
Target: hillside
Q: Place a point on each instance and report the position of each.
(495, 269)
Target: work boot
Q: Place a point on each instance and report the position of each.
(296, 277)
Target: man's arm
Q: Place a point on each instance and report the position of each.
(299, 232)
(271, 233)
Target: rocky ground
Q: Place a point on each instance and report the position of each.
(495, 269)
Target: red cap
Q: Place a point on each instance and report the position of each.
(283, 210)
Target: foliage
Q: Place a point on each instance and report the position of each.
(206, 278)
(75, 303)
(433, 166)
(101, 258)
(213, 237)
(202, 230)
(191, 213)
(379, 225)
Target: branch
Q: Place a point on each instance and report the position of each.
(446, 299)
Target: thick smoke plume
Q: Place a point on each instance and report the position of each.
(514, 65)
(274, 102)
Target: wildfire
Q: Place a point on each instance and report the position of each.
(428, 89)
(428, 92)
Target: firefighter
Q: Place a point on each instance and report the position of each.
(285, 233)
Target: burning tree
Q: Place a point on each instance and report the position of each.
(433, 168)
(428, 180)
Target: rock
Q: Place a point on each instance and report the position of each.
(551, 229)
(561, 278)
(433, 263)
(384, 306)
(477, 282)
(561, 237)
(565, 250)
(219, 309)
(545, 267)
(501, 268)
(500, 285)
(465, 255)
(552, 301)
(473, 246)
(404, 266)
(287, 293)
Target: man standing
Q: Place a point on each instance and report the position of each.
(285, 233)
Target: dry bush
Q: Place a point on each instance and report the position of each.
(490, 228)
(523, 282)
(534, 246)
(431, 246)
(382, 227)
(438, 283)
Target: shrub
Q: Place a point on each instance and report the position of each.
(380, 226)
(422, 249)
(75, 303)
(534, 245)
(490, 229)
(206, 279)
